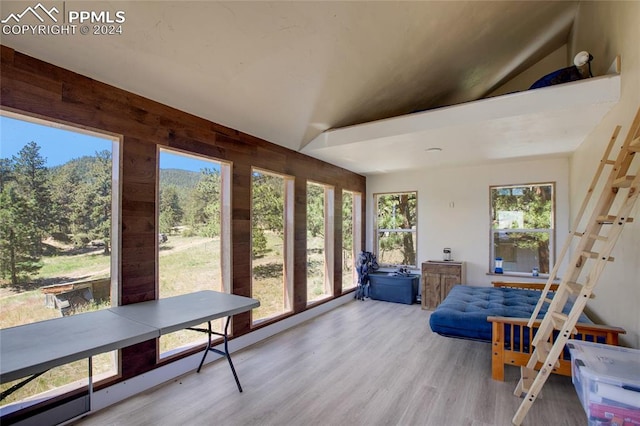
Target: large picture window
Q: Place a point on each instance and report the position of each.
(194, 210)
(522, 223)
(319, 241)
(59, 238)
(351, 232)
(271, 244)
(396, 216)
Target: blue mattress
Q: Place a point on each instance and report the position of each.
(464, 312)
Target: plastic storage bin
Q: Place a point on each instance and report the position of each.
(394, 288)
(607, 380)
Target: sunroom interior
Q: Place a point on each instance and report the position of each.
(328, 105)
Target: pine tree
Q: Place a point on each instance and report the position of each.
(202, 213)
(32, 185)
(315, 210)
(267, 210)
(170, 210)
(24, 213)
(100, 209)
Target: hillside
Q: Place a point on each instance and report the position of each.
(181, 179)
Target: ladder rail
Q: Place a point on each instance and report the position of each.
(578, 219)
(548, 364)
(572, 319)
(594, 227)
(546, 347)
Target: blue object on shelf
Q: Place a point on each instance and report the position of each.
(498, 269)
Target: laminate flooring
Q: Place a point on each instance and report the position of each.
(363, 363)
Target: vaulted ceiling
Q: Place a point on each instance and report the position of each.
(287, 71)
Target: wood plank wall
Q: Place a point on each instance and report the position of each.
(33, 87)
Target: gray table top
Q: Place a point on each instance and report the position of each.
(32, 348)
(179, 312)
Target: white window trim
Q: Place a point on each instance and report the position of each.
(550, 231)
(377, 231)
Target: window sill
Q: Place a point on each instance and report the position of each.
(544, 277)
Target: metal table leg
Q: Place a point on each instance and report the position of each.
(224, 353)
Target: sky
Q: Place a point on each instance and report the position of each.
(57, 146)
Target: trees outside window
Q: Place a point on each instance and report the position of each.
(319, 241)
(351, 213)
(26, 213)
(272, 243)
(193, 222)
(396, 226)
(522, 223)
(57, 210)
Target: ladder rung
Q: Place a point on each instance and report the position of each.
(578, 234)
(623, 182)
(527, 376)
(610, 162)
(542, 351)
(634, 146)
(598, 237)
(559, 319)
(548, 300)
(573, 287)
(594, 255)
(608, 220)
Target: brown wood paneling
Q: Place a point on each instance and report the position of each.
(138, 224)
(139, 197)
(36, 88)
(337, 242)
(137, 239)
(138, 163)
(139, 358)
(300, 246)
(7, 56)
(193, 145)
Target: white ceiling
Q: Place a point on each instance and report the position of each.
(287, 71)
(552, 121)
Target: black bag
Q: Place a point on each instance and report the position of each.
(365, 263)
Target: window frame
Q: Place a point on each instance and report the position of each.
(356, 236)
(225, 276)
(377, 230)
(329, 246)
(288, 242)
(549, 231)
(50, 398)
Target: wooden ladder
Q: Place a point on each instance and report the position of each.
(593, 245)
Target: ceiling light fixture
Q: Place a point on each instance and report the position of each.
(433, 149)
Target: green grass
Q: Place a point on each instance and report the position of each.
(24, 308)
(268, 280)
(186, 264)
(96, 265)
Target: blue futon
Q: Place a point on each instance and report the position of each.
(500, 315)
(464, 311)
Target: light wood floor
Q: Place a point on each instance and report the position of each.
(365, 363)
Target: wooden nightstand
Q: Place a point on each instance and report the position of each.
(437, 279)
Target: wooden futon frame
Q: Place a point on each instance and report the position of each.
(510, 344)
